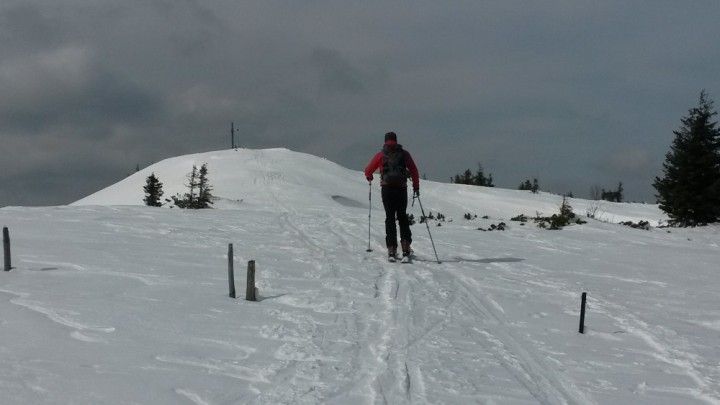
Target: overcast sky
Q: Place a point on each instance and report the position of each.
(577, 93)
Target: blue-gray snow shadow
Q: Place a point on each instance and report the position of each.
(270, 297)
(349, 202)
(468, 260)
(34, 268)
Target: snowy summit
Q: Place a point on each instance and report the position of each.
(113, 302)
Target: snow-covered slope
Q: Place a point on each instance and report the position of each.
(265, 177)
(255, 177)
(111, 302)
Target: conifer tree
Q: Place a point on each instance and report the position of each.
(189, 199)
(199, 188)
(467, 177)
(191, 195)
(613, 196)
(480, 179)
(153, 191)
(689, 191)
(535, 186)
(477, 179)
(204, 188)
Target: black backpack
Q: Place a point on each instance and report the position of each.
(394, 172)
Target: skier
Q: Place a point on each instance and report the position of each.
(395, 166)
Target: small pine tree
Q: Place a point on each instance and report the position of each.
(613, 196)
(189, 199)
(467, 177)
(153, 191)
(199, 188)
(481, 180)
(204, 189)
(689, 191)
(526, 186)
(191, 195)
(558, 221)
(464, 178)
(535, 186)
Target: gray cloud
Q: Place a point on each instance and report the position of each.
(66, 86)
(26, 23)
(576, 93)
(335, 74)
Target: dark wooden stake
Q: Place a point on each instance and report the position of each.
(231, 271)
(250, 291)
(6, 248)
(582, 312)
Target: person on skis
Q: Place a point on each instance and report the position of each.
(395, 166)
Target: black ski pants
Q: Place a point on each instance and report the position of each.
(395, 203)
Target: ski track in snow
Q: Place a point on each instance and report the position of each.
(670, 348)
(666, 345)
(517, 356)
(380, 373)
(388, 369)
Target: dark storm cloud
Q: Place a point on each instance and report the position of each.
(27, 22)
(67, 87)
(576, 93)
(336, 75)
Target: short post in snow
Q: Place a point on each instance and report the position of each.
(231, 271)
(250, 292)
(6, 248)
(582, 312)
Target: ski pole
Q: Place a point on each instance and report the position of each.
(369, 214)
(422, 211)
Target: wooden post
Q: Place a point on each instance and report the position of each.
(231, 271)
(250, 291)
(6, 248)
(582, 312)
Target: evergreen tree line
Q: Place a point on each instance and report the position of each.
(476, 179)
(597, 193)
(689, 189)
(198, 195)
(534, 186)
(479, 179)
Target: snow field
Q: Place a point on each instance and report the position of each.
(128, 304)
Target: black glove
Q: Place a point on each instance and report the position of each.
(416, 193)
(369, 179)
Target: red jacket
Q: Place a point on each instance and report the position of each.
(376, 163)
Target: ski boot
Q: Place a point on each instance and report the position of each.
(406, 251)
(392, 254)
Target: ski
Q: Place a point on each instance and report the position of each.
(404, 259)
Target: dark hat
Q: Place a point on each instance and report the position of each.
(390, 136)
